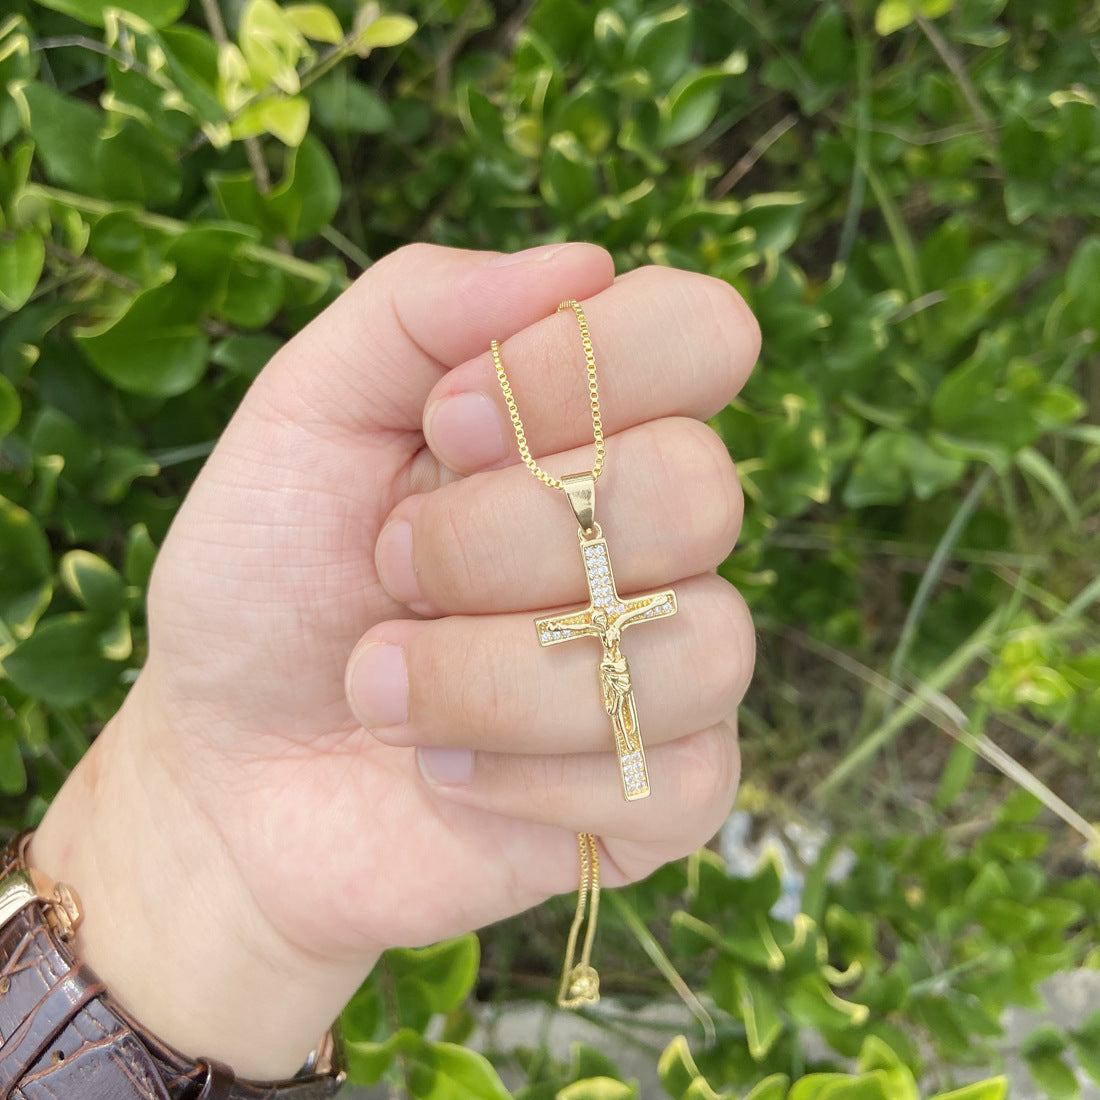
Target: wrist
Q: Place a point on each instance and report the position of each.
(169, 923)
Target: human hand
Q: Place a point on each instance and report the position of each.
(319, 839)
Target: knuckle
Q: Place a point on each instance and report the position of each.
(486, 681)
(415, 253)
(453, 571)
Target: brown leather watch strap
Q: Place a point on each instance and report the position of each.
(26, 1045)
(62, 1035)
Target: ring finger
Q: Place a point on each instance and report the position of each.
(483, 682)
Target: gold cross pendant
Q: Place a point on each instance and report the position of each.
(606, 617)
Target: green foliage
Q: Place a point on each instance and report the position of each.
(906, 192)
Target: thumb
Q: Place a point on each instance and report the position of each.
(369, 361)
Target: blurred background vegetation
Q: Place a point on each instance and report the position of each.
(906, 191)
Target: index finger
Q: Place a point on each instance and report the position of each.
(667, 343)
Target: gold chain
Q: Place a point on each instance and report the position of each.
(593, 397)
(580, 984)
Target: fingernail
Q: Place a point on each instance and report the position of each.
(464, 431)
(538, 254)
(446, 767)
(378, 686)
(393, 558)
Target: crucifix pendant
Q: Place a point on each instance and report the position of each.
(605, 618)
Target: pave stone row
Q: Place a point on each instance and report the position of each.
(599, 579)
(633, 772)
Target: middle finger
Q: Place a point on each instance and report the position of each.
(670, 507)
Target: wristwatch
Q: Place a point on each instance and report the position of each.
(62, 1034)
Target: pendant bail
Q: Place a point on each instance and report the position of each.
(581, 491)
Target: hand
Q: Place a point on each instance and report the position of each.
(331, 522)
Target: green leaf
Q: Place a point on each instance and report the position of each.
(930, 470)
(598, 1088)
(135, 165)
(586, 1061)
(568, 177)
(773, 1087)
(992, 1088)
(1037, 467)
(21, 261)
(285, 118)
(879, 475)
(157, 348)
(160, 13)
(760, 1009)
(893, 15)
(66, 134)
(691, 107)
(13, 772)
(826, 50)
(254, 293)
(1042, 1051)
(837, 1086)
(92, 580)
(60, 663)
(309, 194)
(386, 30)
(10, 406)
(25, 568)
(348, 106)
(775, 217)
(680, 1075)
(141, 553)
(245, 355)
(661, 44)
(443, 1071)
(270, 45)
(120, 467)
(481, 119)
(989, 403)
(433, 980)
(115, 641)
(1083, 282)
(1086, 1042)
(315, 21)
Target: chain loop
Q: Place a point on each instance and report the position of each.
(593, 397)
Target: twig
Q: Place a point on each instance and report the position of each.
(910, 705)
(935, 568)
(290, 265)
(947, 716)
(919, 553)
(858, 188)
(958, 70)
(758, 148)
(252, 148)
(660, 960)
(347, 246)
(92, 267)
(60, 42)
